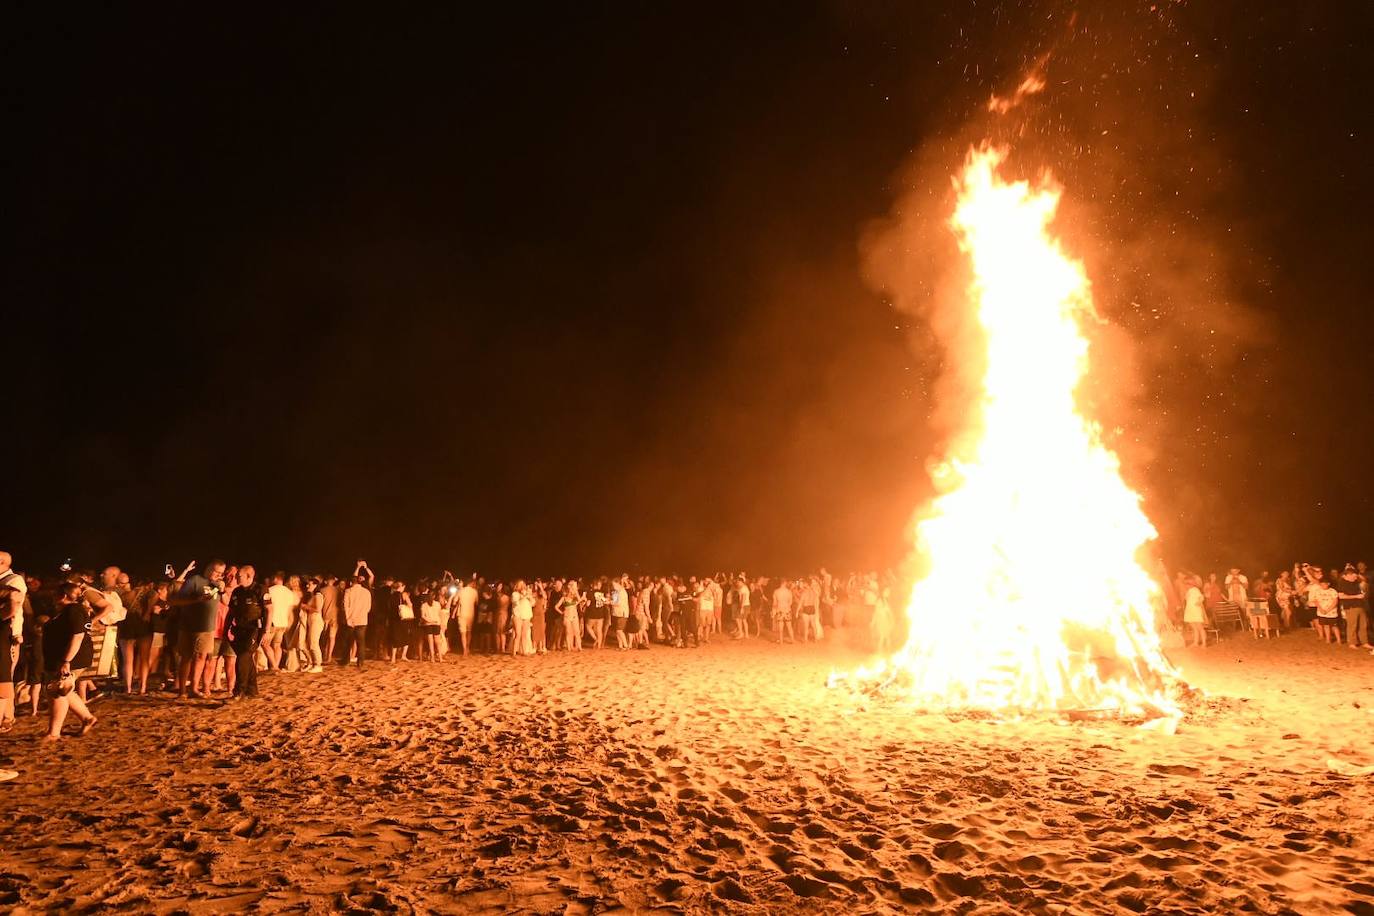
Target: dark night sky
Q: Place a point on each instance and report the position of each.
(583, 287)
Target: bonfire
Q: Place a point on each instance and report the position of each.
(1036, 596)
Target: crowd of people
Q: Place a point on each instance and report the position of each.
(1333, 602)
(216, 627)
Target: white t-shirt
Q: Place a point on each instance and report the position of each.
(1328, 601)
(743, 592)
(432, 613)
(357, 605)
(521, 606)
(283, 603)
(16, 582)
(113, 612)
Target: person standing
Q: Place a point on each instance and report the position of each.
(1237, 587)
(539, 623)
(283, 602)
(1354, 600)
(198, 599)
(467, 612)
(11, 638)
(522, 616)
(330, 599)
(357, 601)
(570, 605)
(620, 611)
(244, 627)
(135, 638)
(1328, 602)
(433, 616)
(312, 610)
(782, 612)
(67, 643)
(742, 609)
(1195, 612)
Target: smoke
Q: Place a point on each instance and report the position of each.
(1111, 107)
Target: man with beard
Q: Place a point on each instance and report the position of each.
(198, 600)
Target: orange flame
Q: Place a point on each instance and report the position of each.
(1035, 597)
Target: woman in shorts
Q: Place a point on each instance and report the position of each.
(433, 616)
(158, 607)
(135, 637)
(522, 616)
(570, 604)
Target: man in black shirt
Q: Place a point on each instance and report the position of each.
(1355, 607)
(67, 650)
(244, 626)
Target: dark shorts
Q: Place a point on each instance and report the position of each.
(9, 653)
(1329, 621)
(430, 629)
(620, 623)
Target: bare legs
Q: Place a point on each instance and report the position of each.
(58, 714)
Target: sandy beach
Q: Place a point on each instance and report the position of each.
(724, 779)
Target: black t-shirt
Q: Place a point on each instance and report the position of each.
(1349, 592)
(67, 621)
(247, 611)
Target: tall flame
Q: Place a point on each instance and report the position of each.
(1035, 596)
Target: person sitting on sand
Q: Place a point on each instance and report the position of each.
(67, 648)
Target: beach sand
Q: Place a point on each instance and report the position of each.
(727, 778)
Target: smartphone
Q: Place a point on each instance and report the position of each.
(170, 572)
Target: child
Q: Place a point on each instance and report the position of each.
(1328, 602)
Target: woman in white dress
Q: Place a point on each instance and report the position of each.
(1194, 612)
